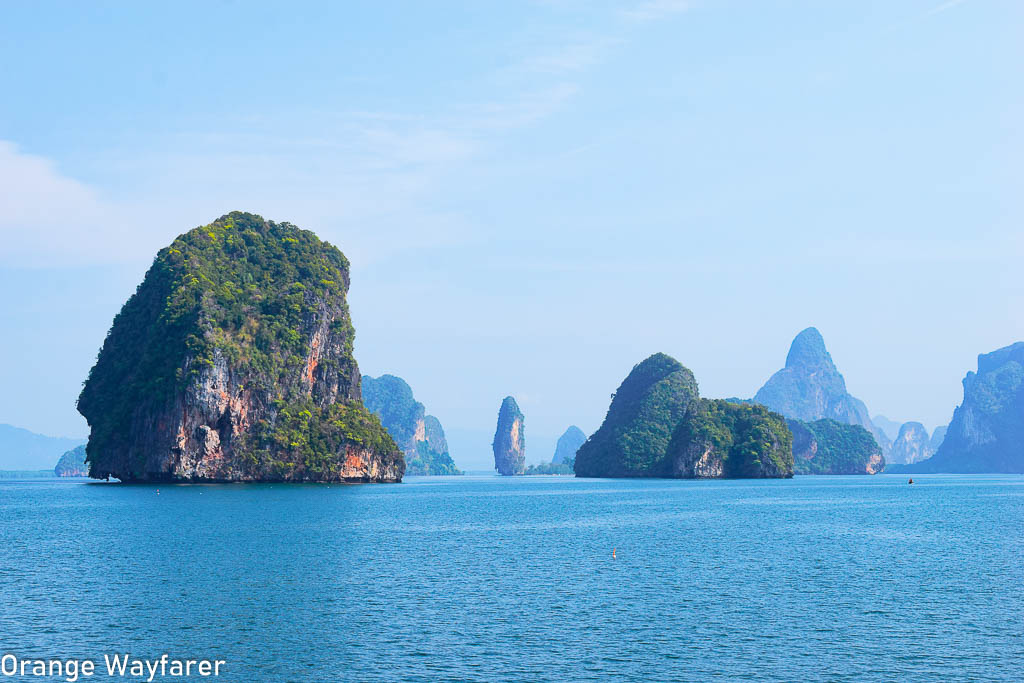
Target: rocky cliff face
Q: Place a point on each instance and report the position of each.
(643, 414)
(987, 431)
(510, 440)
(420, 436)
(831, 447)
(72, 464)
(568, 443)
(435, 443)
(911, 445)
(938, 436)
(233, 362)
(717, 439)
(810, 388)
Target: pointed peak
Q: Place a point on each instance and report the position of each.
(808, 349)
(509, 406)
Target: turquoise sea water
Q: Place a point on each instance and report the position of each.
(490, 579)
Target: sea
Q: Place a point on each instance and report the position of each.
(483, 578)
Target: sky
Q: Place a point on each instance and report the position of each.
(534, 196)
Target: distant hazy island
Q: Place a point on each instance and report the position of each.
(564, 459)
(810, 388)
(987, 431)
(233, 362)
(72, 464)
(420, 436)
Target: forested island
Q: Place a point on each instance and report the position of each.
(831, 447)
(233, 362)
(658, 426)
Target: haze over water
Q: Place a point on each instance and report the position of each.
(484, 578)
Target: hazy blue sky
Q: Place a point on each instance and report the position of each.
(534, 195)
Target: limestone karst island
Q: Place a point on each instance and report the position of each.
(233, 362)
(510, 439)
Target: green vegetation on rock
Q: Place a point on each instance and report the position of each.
(550, 468)
(720, 439)
(831, 447)
(644, 412)
(391, 399)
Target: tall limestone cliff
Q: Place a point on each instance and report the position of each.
(810, 388)
(644, 412)
(987, 431)
(233, 362)
(718, 439)
(568, 443)
(830, 447)
(911, 445)
(420, 436)
(510, 440)
(938, 436)
(432, 450)
(72, 463)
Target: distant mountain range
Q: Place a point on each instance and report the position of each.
(21, 449)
